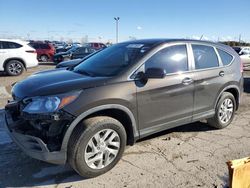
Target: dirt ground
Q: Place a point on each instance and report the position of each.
(192, 155)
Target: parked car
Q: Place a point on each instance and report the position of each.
(45, 51)
(82, 52)
(77, 53)
(16, 56)
(95, 45)
(74, 62)
(244, 53)
(87, 115)
(64, 56)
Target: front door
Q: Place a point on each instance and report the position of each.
(166, 102)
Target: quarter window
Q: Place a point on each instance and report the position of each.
(226, 58)
(204, 57)
(172, 59)
(44, 46)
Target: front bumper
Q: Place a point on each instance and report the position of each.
(33, 146)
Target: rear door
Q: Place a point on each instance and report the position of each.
(166, 102)
(3, 54)
(209, 79)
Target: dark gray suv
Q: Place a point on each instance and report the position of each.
(86, 115)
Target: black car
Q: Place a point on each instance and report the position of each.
(73, 53)
(74, 62)
(87, 115)
(63, 56)
(82, 52)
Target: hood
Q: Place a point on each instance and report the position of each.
(69, 63)
(53, 82)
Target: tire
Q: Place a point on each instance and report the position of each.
(44, 58)
(83, 146)
(14, 68)
(227, 106)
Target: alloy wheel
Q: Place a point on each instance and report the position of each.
(102, 149)
(226, 110)
(15, 68)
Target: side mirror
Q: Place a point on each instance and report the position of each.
(155, 73)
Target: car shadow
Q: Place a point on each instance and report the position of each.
(19, 170)
(46, 63)
(191, 127)
(2, 73)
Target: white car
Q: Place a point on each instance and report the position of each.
(16, 56)
(244, 53)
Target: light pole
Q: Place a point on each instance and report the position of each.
(117, 21)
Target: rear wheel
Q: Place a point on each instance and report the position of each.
(14, 68)
(96, 146)
(44, 58)
(224, 112)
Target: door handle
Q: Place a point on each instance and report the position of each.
(187, 81)
(222, 73)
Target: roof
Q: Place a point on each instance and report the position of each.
(160, 41)
(14, 40)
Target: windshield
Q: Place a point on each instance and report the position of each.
(113, 60)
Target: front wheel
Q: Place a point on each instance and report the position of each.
(224, 112)
(96, 146)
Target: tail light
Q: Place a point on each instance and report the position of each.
(30, 51)
(241, 67)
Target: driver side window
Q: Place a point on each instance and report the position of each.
(171, 59)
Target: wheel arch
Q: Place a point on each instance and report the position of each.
(234, 90)
(14, 58)
(119, 112)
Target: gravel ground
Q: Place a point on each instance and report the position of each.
(192, 155)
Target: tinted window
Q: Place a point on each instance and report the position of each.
(44, 46)
(113, 60)
(171, 59)
(81, 50)
(204, 57)
(226, 58)
(10, 45)
(237, 49)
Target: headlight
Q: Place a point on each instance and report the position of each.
(47, 104)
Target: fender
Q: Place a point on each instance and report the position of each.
(226, 88)
(93, 110)
(15, 58)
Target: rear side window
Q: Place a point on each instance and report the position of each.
(226, 58)
(44, 46)
(10, 45)
(204, 57)
(34, 45)
(96, 45)
(172, 59)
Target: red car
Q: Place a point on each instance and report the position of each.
(96, 45)
(45, 51)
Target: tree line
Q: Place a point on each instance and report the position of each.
(235, 43)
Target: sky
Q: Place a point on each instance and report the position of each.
(94, 19)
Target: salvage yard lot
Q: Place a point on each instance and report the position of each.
(192, 155)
